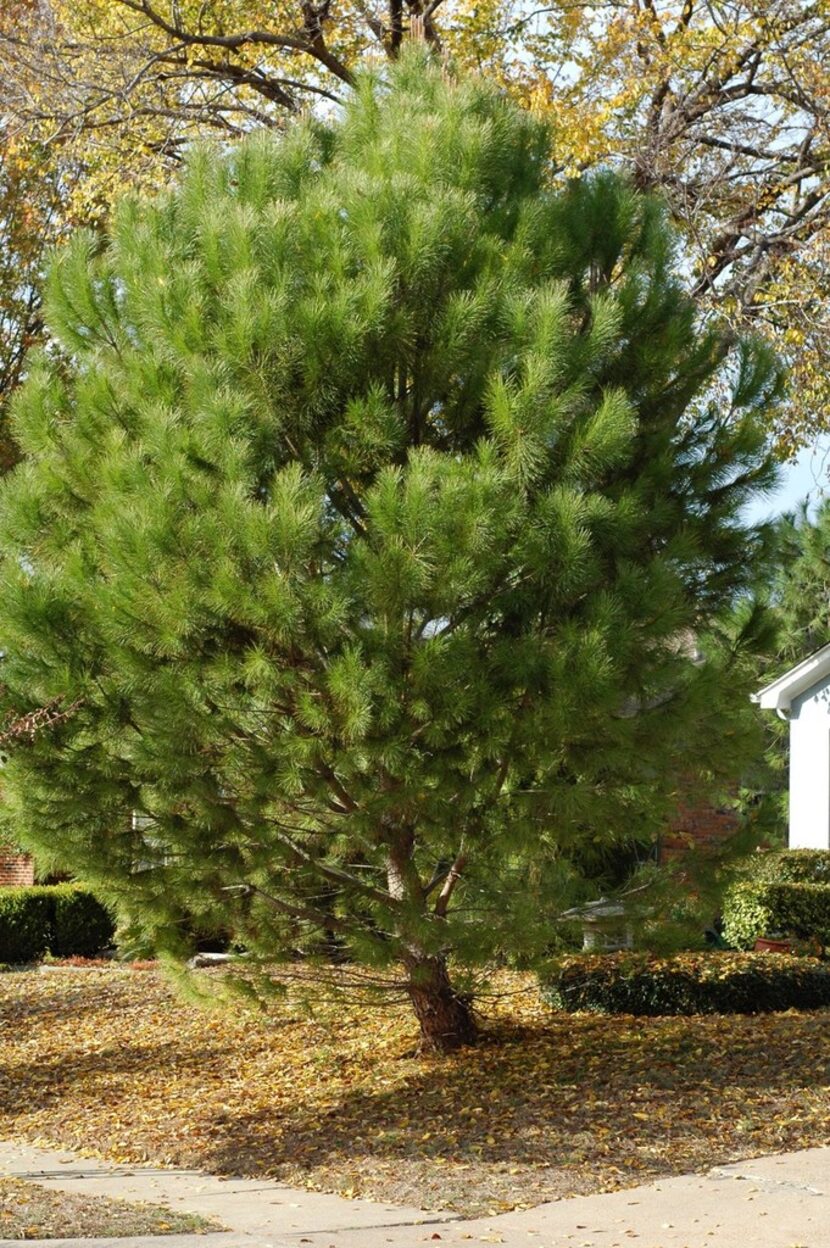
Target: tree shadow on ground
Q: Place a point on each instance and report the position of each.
(541, 1109)
(622, 1098)
(54, 1079)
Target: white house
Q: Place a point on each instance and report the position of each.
(802, 696)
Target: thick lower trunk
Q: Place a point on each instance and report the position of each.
(446, 1018)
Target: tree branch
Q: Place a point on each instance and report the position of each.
(453, 876)
(310, 42)
(310, 914)
(336, 874)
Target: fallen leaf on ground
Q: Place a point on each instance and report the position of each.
(110, 1061)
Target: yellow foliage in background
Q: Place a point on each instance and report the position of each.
(719, 105)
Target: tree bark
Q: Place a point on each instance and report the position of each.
(445, 1017)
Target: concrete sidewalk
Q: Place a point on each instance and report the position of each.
(256, 1211)
(772, 1202)
(777, 1202)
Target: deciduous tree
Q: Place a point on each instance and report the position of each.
(721, 104)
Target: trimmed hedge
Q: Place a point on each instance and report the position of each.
(26, 918)
(82, 925)
(790, 866)
(687, 983)
(64, 919)
(786, 892)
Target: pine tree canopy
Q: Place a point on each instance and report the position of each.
(800, 590)
(373, 492)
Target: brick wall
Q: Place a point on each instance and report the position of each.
(15, 868)
(695, 828)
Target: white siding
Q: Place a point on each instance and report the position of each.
(810, 769)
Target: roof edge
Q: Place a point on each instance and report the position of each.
(779, 694)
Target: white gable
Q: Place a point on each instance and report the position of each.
(780, 694)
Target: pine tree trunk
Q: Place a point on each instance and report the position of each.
(446, 1019)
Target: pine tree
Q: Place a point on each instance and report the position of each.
(800, 590)
(372, 493)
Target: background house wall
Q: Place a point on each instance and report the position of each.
(810, 768)
(16, 869)
(698, 827)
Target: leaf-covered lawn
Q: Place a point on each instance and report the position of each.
(111, 1061)
(31, 1212)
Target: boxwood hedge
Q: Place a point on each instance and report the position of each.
(786, 892)
(26, 918)
(82, 925)
(687, 983)
(62, 919)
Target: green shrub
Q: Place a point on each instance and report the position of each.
(63, 919)
(789, 866)
(25, 923)
(786, 892)
(82, 926)
(697, 983)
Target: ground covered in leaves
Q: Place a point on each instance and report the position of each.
(110, 1060)
(31, 1212)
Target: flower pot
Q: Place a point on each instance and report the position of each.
(765, 944)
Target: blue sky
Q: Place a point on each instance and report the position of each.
(806, 476)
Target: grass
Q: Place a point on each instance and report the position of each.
(28, 1211)
(548, 1105)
